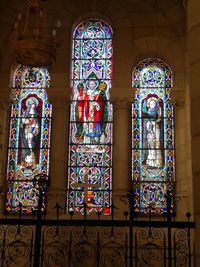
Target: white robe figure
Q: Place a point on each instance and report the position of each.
(153, 112)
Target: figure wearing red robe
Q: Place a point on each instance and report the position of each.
(90, 112)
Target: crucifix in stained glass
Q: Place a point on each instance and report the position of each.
(86, 189)
(91, 115)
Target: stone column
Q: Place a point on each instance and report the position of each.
(58, 153)
(182, 158)
(193, 28)
(122, 151)
(4, 132)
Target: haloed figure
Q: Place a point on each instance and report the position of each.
(90, 112)
(29, 132)
(152, 112)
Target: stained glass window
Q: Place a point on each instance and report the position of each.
(91, 116)
(29, 139)
(153, 169)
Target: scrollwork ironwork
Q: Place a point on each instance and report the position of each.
(151, 255)
(112, 255)
(84, 254)
(101, 244)
(181, 247)
(56, 254)
(16, 248)
(55, 246)
(150, 246)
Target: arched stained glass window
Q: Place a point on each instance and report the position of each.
(91, 116)
(29, 140)
(153, 169)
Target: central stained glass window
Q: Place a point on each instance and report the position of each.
(91, 119)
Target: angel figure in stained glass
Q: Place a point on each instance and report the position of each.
(152, 156)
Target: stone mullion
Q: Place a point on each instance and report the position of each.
(4, 133)
(58, 153)
(121, 148)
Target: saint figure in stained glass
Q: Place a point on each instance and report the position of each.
(152, 134)
(90, 109)
(153, 171)
(29, 133)
(90, 139)
(29, 141)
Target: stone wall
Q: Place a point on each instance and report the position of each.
(141, 30)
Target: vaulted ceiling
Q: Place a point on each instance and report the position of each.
(69, 10)
(120, 13)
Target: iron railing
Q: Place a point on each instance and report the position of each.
(132, 241)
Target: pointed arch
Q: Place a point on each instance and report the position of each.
(153, 163)
(91, 116)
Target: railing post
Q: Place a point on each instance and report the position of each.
(169, 229)
(38, 233)
(131, 205)
(41, 182)
(189, 240)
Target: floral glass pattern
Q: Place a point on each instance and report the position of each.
(29, 139)
(91, 116)
(153, 163)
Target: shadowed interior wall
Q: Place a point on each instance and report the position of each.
(141, 29)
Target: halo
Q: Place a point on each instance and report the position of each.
(153, 98)
(31, 100)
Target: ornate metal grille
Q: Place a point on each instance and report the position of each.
(132, 241)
